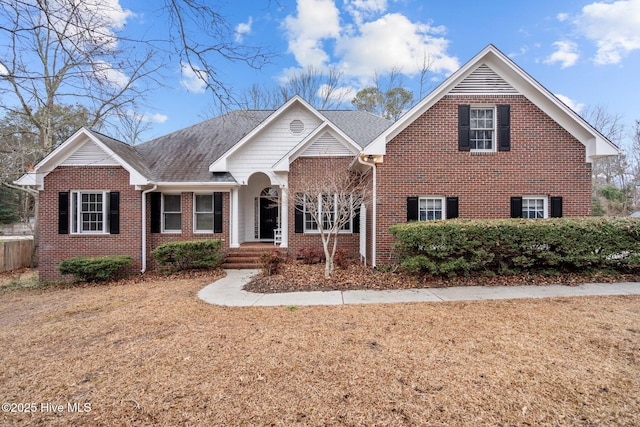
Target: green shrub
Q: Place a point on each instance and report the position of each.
(96, 269)
(190, 255)
(509, 246)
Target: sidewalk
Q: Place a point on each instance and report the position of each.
(228, 291)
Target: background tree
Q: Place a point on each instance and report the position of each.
(330, 201)
(386, 98)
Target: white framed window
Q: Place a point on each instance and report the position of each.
(332, 207)
(535, 207)
(89, 212)
(482, 135)
(171, 213)
(431, 208)
(203, 213)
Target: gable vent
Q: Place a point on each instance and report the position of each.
(483, 80)
(89, 154)
(296, 126)
(327, 145)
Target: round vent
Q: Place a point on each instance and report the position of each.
(296, 126)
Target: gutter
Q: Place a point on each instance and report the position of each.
(369, 160)
(144, 227)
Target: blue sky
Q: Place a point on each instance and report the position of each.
(586, 52)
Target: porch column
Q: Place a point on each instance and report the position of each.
(234, 219)
(284, 217)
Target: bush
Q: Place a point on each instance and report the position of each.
(96, 269)
(509, 246)
(198, 254)
(311, 256)
(270, 263)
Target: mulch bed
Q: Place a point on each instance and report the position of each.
(294, 276)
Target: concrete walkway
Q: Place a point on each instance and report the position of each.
(228, 291)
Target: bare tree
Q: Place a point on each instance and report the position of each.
(329, 203)
(321, 89)
(425, 69)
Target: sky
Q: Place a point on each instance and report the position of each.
(585, 52)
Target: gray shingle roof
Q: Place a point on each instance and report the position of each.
(185, 155)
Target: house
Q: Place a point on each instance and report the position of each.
(489, 142)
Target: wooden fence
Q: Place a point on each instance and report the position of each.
(15, 254)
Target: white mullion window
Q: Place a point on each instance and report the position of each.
(89, 212)
(483, 129)
(171, 213)
(431, 208)
(203, 213)
(328, 212)
(535, 207)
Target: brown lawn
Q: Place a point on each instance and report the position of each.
(151, 353)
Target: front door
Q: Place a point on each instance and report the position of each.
(268, 218)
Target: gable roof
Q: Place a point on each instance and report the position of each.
(507, 75)
(115, 151)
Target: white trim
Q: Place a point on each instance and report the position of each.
(597, 145)
(195, 212)
(75, 209)
(220, 165)
(494, 129)
(545, 201)
(162, 213)
(442, 199)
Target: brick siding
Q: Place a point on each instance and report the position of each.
(55, 247)
(424, 160)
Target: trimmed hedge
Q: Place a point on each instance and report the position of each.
(96, 269)
(190, 254)
(456, 247)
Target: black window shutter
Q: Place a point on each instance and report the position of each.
(516, 207)
(299, 215)
(452, 207)
(412, 209)
(114, 212)
(156, 214)
(63, 212)
(504, 127)
(464, 127)
(355, 224)
(556, 207)
(217, 212)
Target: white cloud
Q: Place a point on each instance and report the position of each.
(393, 41)
(566, 54)
(316, 21)
(155, 118)
(577, 107)
(192, 80)
(562, 17)
(362, 9)
(614, 27)
(3, 70)
(242, 29)
(338, 94)
(105, 71)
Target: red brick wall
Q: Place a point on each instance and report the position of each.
(55, 247)
(187, 233)
(302, 170)
(424, 160)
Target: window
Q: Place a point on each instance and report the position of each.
(430, 208)
(171, 213)
(534, 207)
(482, 129)
(331, 208)
(203, 213)
(89, 212)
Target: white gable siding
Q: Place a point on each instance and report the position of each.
(89, 154)
(271, 144)
(326, 145)
(483, 80)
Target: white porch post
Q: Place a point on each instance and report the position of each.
(284, 217)
(234, 217)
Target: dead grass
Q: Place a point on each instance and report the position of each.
(151, 353)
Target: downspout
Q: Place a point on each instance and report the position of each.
(374, 209)
(144, 227)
